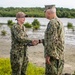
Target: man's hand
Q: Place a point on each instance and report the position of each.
(40, 41)
(35, 42)
(48, 60)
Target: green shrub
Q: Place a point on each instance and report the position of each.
(36, 27)
(70, 25)
(3, 32)
(36, 24)
(10, 23)
(27, 25)
(33, 70)
(5, 68)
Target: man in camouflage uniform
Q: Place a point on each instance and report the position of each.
(53, 43)
(18, 56)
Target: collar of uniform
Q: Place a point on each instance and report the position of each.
(54, 18)
(19, 26)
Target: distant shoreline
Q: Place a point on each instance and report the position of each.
(33, 12)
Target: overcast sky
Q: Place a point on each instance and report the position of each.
(37, 3)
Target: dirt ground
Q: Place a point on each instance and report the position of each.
(36, 54)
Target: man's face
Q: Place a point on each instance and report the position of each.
(21, 20)
(48, 14)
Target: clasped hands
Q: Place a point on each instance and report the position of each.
(35, 42)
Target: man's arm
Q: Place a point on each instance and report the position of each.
(21, 37)
(52, 40)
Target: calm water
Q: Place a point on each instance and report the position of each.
(43, 21)
(69, 35)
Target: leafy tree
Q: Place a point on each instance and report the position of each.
(36, 24)
(10, 23)
(70, 25)
(33, 12)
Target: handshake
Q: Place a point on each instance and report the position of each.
(35, 42)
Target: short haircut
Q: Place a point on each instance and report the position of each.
(52, 10)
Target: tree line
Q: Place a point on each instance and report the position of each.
(36, 12)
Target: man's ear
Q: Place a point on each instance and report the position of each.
(17, 19)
